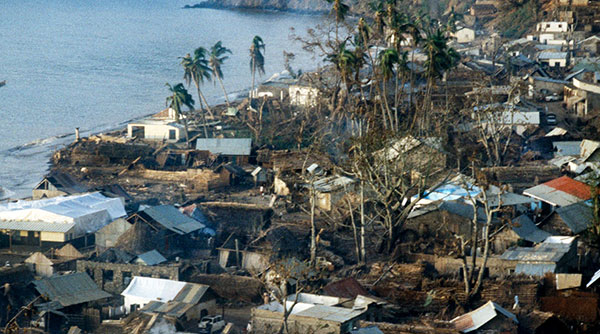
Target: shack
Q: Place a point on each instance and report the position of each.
(54, 261)
(557, 254)
(57, 184)
(236, 150)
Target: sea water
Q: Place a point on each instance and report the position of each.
(95, 64)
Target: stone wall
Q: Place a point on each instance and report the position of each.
(114, 277)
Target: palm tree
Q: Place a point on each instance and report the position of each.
(217, 57)
(180, 97)
(257, 59)
(196, 69)
(345, 62)
(339, 10)
(387, 59)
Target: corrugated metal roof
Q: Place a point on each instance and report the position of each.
(173, 309)
(330, 313)
(566, 148)
(151, 258)
(225, 146)
(551, 250)
(71, 289)
(526, 230)
(535, 269)
(475, 319)
(557, 131)
(169, 217)
(552, 55)
(36, 226)
(550, 80)
(588, 147)
(578, 217)
(64, 182)
(593, 279)
(332, 183)
(560, 192)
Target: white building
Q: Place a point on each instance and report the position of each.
(157, 295)
(156, 129)
(303, 96)
(465, 35)
(553, 59)
(59, 219)
(552, 26)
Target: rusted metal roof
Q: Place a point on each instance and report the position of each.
(345, 288)
(562, 191)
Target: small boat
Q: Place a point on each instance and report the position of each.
(2, 83)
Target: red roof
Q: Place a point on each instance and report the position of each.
(571, 187)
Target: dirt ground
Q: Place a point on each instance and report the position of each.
(239, 316)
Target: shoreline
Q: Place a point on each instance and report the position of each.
(220, 6)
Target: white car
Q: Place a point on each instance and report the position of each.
(211, 324)
(552, 98)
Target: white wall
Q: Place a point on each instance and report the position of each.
(465, 35)
(156, 131)
(552, 26)
(303, 96)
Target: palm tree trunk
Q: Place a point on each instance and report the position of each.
(223, 87)
(253, 78)
(205, 102)
(202, 112)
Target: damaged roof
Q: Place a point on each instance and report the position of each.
(64, 182)
(169, 217)
(548, 252)
(71, 289)
(345, 288)
(524, 227)
(477, 318)
(562, 191)
(332, 183)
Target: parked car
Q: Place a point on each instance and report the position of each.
(553, 98)
(211, 324)
(551, 119)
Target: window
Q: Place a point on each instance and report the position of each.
(560, 26)
(107, 275)
(172, 134)
(547, 25)
(126, 277)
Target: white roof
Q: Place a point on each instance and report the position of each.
(89, 212)
(157, 289)
(552, 55)
(558, 131)
(593, 279)
(473, 320)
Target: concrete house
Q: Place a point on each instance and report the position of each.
(553, 58)
(57, 184)
(303, 96)
(465, 35)
(312, 314)
(161, 126)
(552, 27)
(156, 130)
(188, 301)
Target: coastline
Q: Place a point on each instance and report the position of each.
(221, 6)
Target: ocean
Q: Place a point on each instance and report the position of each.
(98, 64)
